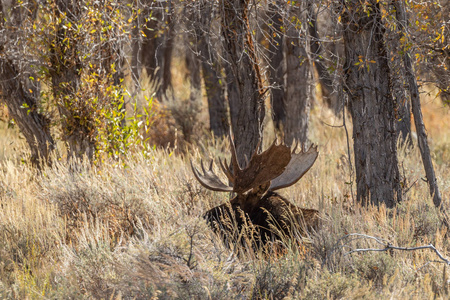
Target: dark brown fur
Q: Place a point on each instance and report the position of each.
(271, 215)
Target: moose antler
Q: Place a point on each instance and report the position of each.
(276, 165)
(299, 164)
(210, 180)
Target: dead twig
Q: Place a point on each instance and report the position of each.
(388, 246)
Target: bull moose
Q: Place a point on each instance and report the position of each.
(257, 213)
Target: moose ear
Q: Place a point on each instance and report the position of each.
(298, 166)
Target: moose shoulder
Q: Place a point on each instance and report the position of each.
(257, 212)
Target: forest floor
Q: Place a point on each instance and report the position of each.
(76, 231)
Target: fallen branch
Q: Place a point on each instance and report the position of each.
(388, 246)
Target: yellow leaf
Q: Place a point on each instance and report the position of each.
(31, 92)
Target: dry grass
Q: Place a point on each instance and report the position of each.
(109, 232)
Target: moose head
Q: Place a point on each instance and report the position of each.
(256, 204)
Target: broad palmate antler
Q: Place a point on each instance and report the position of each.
(278, 165)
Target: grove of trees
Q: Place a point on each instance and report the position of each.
(69, 71)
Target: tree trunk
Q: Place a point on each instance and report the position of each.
(215, 91)
(368, 85)
(193, 68)
(136, 48)
(249, 104)
(200, 14)
(326, 82)
(17, 90)
(22, 106)
(298, 90)
(150, 50)
(169, 39)
(298, 93)
(218, 119)
(400, 94)
(418, 119)
(232, 93)
(276, 64)
(153, 51)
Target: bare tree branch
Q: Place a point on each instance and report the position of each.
(388, 246)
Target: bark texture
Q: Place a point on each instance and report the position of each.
(290, 75)
(153, 50)
(418, 119)
(399, 92)
(315, 46)
(211, 68)
(244, 78)
(368, 85)
(298, 91)
(22, 106)
(218, 117)
(17, 90)
(276, 64)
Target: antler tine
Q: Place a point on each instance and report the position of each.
(211, 165)
(296, 147)
(254, 153)
(226, 170)
(203, 167)
(210, 180)
(234, 160)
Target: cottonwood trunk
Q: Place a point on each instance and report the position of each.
(298, 93)
(147, 44)
(211, 70)
(218, 118)
(368, 85)
(22, 106)
(153, 49)
(298, 88)
(315, 46)
(17, 90)
(232, 93)
(247, 109)
(418, 119)
(193, 67)
(276, 64)
(169, 43)
(199, 17)
(397, 67)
